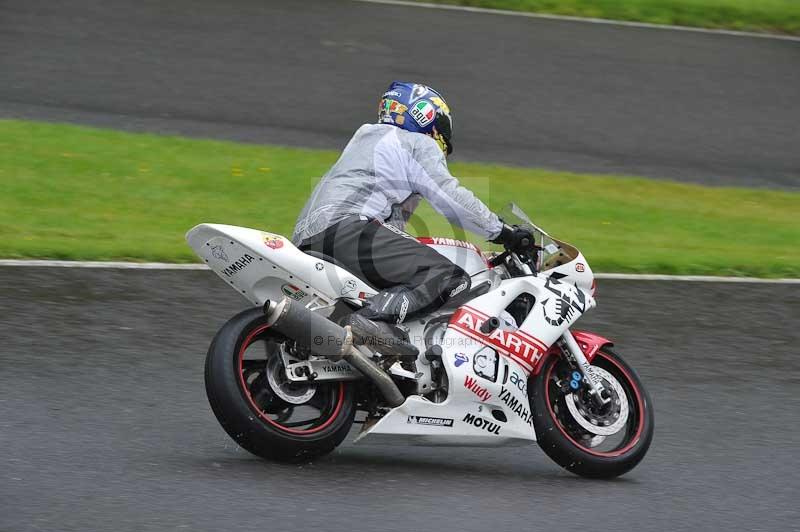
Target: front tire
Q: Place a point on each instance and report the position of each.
(587, 441)
(242, 373)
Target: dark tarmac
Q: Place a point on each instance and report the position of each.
(714, 109)
(104, 424)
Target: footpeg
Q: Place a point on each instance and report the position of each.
(399, 371)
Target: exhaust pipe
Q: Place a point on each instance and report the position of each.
(322, 337)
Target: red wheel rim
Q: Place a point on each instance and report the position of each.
(640, 412)
(243, 385)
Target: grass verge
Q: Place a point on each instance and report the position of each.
(70, 192)
(773, 16)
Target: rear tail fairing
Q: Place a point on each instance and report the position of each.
(265, 266)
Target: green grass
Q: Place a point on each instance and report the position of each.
(777, 16)
(69, 192)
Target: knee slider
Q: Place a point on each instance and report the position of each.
(456, 284)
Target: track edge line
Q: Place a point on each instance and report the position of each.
(586, 20)
(119, 265)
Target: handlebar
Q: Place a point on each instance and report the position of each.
(499, 259)
(525, 263)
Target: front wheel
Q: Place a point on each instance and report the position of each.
(259, 407)
(592, 441)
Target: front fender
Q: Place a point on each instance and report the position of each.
(590, 344)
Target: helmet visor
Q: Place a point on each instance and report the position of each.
(444, 126)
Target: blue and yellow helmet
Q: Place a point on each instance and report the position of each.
(419, 109)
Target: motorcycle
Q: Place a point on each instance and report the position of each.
(498, 365)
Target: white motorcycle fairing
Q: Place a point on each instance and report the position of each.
(265, 266)
(498, 364)
(487, 402)
(487, 373)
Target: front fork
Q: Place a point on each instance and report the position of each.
(575, 355)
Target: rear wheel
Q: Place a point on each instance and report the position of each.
(587, 439)
(259, 407)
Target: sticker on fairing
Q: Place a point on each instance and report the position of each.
(293, 292)
(484, 363)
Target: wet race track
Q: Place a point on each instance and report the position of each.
(566, 95)
(104, 423)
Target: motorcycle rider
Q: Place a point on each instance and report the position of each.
(357, 212)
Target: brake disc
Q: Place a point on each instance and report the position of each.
(609, 422)
(295, 393)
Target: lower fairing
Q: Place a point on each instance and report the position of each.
(467, 424)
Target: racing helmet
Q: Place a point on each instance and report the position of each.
(419, 109)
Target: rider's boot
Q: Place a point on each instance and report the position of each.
(374, 325)
(392, 306)
(374, 328)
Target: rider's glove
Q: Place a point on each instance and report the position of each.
(515, 238)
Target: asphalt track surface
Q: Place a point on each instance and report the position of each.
(705, 108)
(104, 423)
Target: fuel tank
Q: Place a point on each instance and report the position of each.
(464, 254)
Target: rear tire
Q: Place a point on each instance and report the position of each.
(237, 399)
(567, 442)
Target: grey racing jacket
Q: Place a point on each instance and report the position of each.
(382, 174)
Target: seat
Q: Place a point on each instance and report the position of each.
(327, 258)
